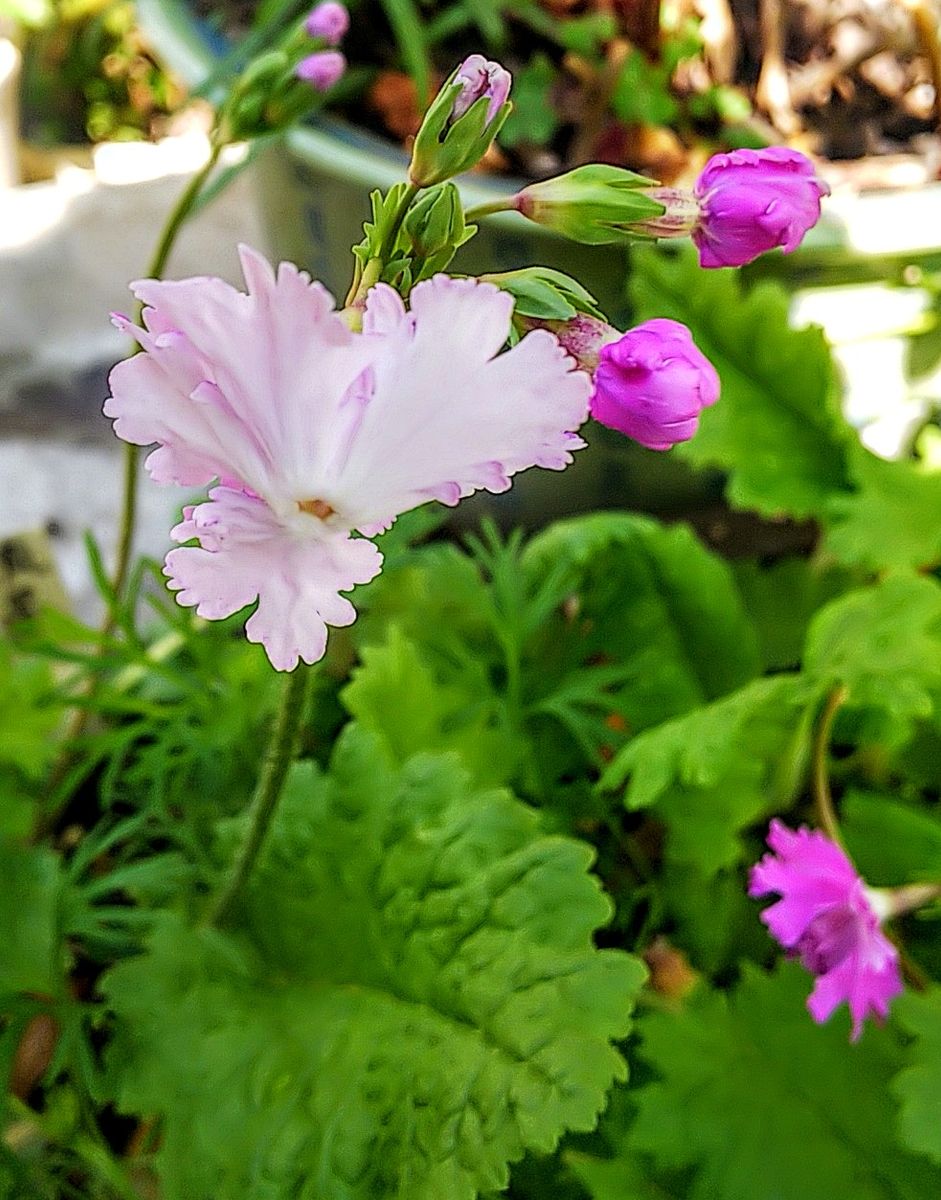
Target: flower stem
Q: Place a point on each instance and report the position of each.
(823, 798)
(504, 204)
(371, 273)
(158, 262)
(281, 751)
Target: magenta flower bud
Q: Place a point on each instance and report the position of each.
(652, 383)
(478, 77)
(329, 21)
(753, 201)
(828, 918)
(322, 69)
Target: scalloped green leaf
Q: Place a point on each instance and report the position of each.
(760, 1102)
(413, 999)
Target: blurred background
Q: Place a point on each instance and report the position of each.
(104, 110)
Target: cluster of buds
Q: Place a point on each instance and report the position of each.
(287, 82)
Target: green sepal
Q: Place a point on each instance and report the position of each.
(596, 204)
(545, 294)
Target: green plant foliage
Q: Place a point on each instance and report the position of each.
(918, 1085)
(533, 118)
(883, 644)
(651, 597)
(713, 772)
(414, 1000)
(777, 429)
(891, 520)
(29, 919)
(395, 695)
(761, 1103)
(891, 842)
(29, 714)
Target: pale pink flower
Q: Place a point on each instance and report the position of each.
(830, 919)
(314, 432)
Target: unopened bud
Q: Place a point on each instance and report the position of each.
(462, 122)
(596, 204)
(329, 21)
(322, 69)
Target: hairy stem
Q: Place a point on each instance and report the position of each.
(281, 751)
(823, 798)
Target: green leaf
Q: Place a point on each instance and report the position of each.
(889, 841)
(762, 1103)
(883, 643)
(626, 1177)
(28, 714)
(648, 598)
(417, 1003)
(782, 598)
(29, 907)
(714, 771)
(777, 429)
(533, 118)
(892, 519)
(918, 1085)
(395, 695)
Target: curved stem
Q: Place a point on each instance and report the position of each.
(281, 752)
(156, 267)
(504, 204)
(823, 798)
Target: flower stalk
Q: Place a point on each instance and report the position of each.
(281, 753)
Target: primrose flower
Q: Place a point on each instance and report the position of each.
(315, 433)
(652, 382)
(831, 920)
(752, 201)
(329, 21)
(322, 69)
(479, 77)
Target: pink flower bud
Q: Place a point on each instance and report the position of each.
(478, 77)
(753, 201)
(652, 383)
(329, 21)
(322, 69)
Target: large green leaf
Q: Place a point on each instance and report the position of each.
(764, 1104)
(777, 428)
(413, 1002)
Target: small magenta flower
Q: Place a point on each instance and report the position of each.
(479, 77)
(318, 437)
(322, 69)
(829, 919)
(329, 21)
(752, 201)
(651, 383)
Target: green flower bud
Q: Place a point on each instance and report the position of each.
(598, 204)
(435, 228)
